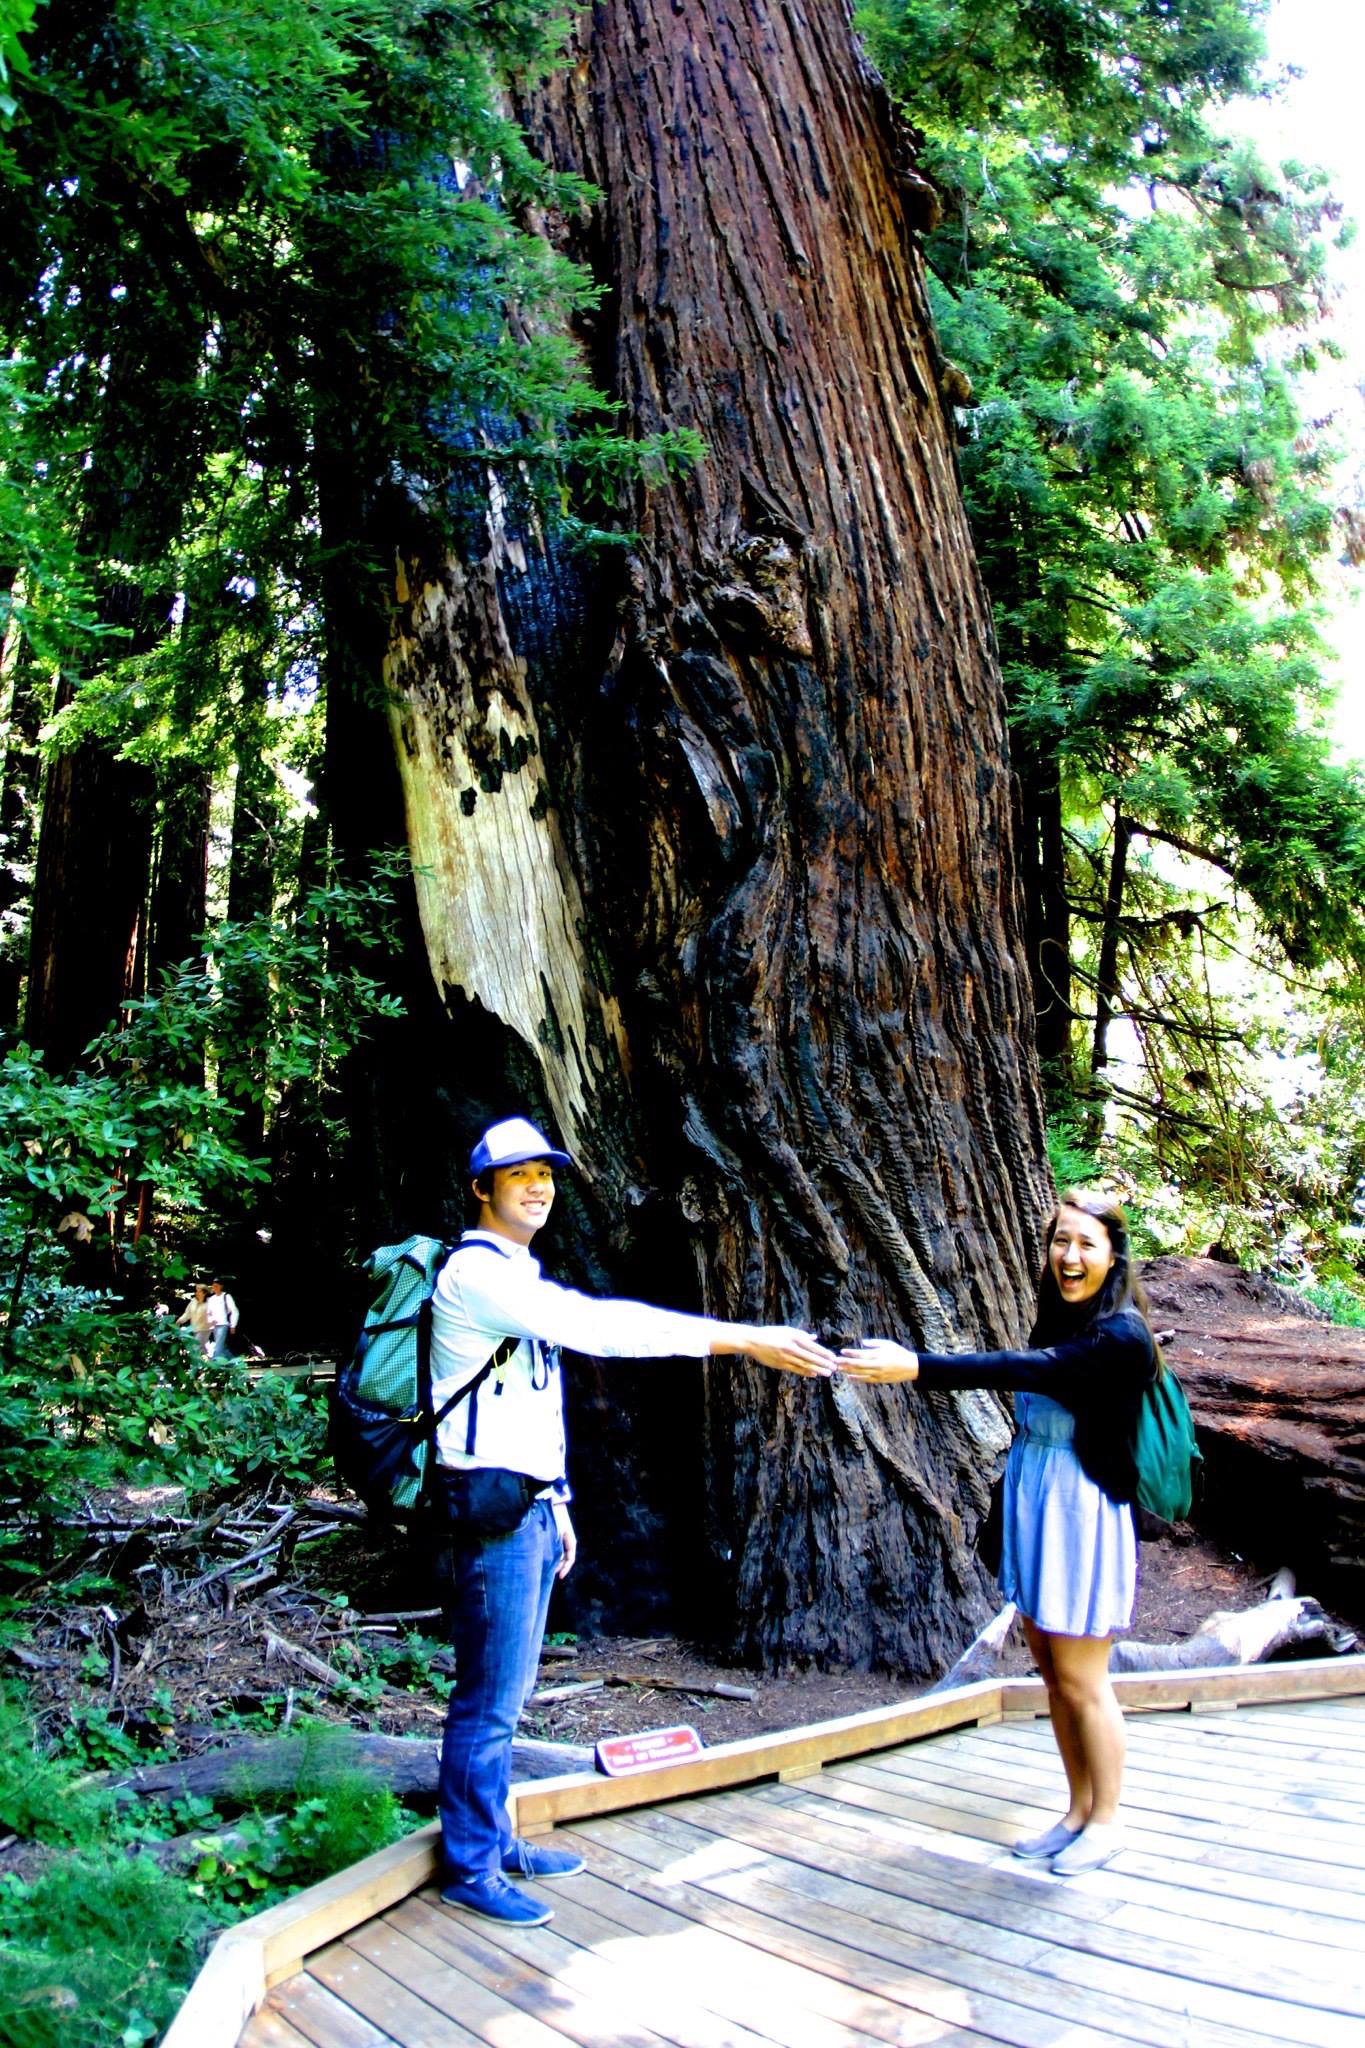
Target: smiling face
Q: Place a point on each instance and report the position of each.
(1081, 1255)
(520, 1199)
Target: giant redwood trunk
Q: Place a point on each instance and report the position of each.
(722, 833)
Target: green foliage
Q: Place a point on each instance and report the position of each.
(327, 1816)
(39, 1798)
(93, 1387)
(15, 22)
(273, 1004)
(1073, 1163)
(96, 1953)
(1343, 1303)
(1132, 295)
(100, 1947)
(264, 264)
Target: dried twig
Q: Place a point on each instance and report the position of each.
(719, 1690)
(547, 1693)
(235, 1564)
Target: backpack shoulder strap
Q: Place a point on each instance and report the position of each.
(502, 1352)
(500, 1357)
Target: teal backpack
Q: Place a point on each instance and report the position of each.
(1166, 1450)
(383, 1427)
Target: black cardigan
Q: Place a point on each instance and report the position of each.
(1100, 1374)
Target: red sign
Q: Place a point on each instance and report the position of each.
(620, 1755)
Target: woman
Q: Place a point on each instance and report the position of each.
(196, 1315)
(1069, 1557)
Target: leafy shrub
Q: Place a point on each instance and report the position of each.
(39, 1801)
(1342, 1302)
(1073, 1161)
(98, 1950)
(329, 1815)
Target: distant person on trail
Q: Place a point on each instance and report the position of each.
(195, 1314)
(497, 1322)
(1069, 1557)
(223, 1319)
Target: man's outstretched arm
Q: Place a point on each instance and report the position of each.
(785, 1350)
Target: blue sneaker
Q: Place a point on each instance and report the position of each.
(538, 1859)
(490, 1894)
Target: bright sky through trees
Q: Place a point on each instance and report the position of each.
(1318, 120)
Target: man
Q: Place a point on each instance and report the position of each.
(491, 1292)
(223, 1319)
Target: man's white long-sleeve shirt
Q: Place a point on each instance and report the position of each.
(491, 1289)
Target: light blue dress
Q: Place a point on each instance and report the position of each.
(1069, 1552)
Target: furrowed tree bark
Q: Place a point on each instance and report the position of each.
(722, 832)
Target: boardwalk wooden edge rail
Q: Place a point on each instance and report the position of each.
(247, 1959)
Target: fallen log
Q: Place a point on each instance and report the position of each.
(981, 1658)
(1283, 1624)
(1279, 1626)
(276, 1763)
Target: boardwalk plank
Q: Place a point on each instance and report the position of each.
(321, 2017)
(1328, 1843)
(1161, 1800)
(874, 1905)
(402, 2016)
(1196, 1841)
(792, 2005)
(622, 1976)
(267, 2029)
(1249, 1730)
(1154, 1759)
(1280, 1911)
(1005, 1914)
(547, 1994)
(1003, 1999)
(1312, 1721)
(450, 1990)
(1162, 1868)
(1128, 1985)
(1332, 1964)
(813, 1938)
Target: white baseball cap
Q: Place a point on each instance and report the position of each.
(511, 1142)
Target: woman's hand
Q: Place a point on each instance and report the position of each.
(880, 1360)
(783, 1349)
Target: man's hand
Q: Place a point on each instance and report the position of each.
(785, 1350)
(879, 1360)
(568, 1542)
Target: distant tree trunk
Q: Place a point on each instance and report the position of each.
(722, 834)
(89, 893)
(1107, 967)
(1047, 917)
(179, 906)
(27, 710)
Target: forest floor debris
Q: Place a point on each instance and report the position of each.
(188, 1649)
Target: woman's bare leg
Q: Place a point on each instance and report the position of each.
(1091, 1715)
(1065, 1731)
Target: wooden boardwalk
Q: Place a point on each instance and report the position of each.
(874, 1901)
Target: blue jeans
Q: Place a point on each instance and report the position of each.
(499, 1595)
